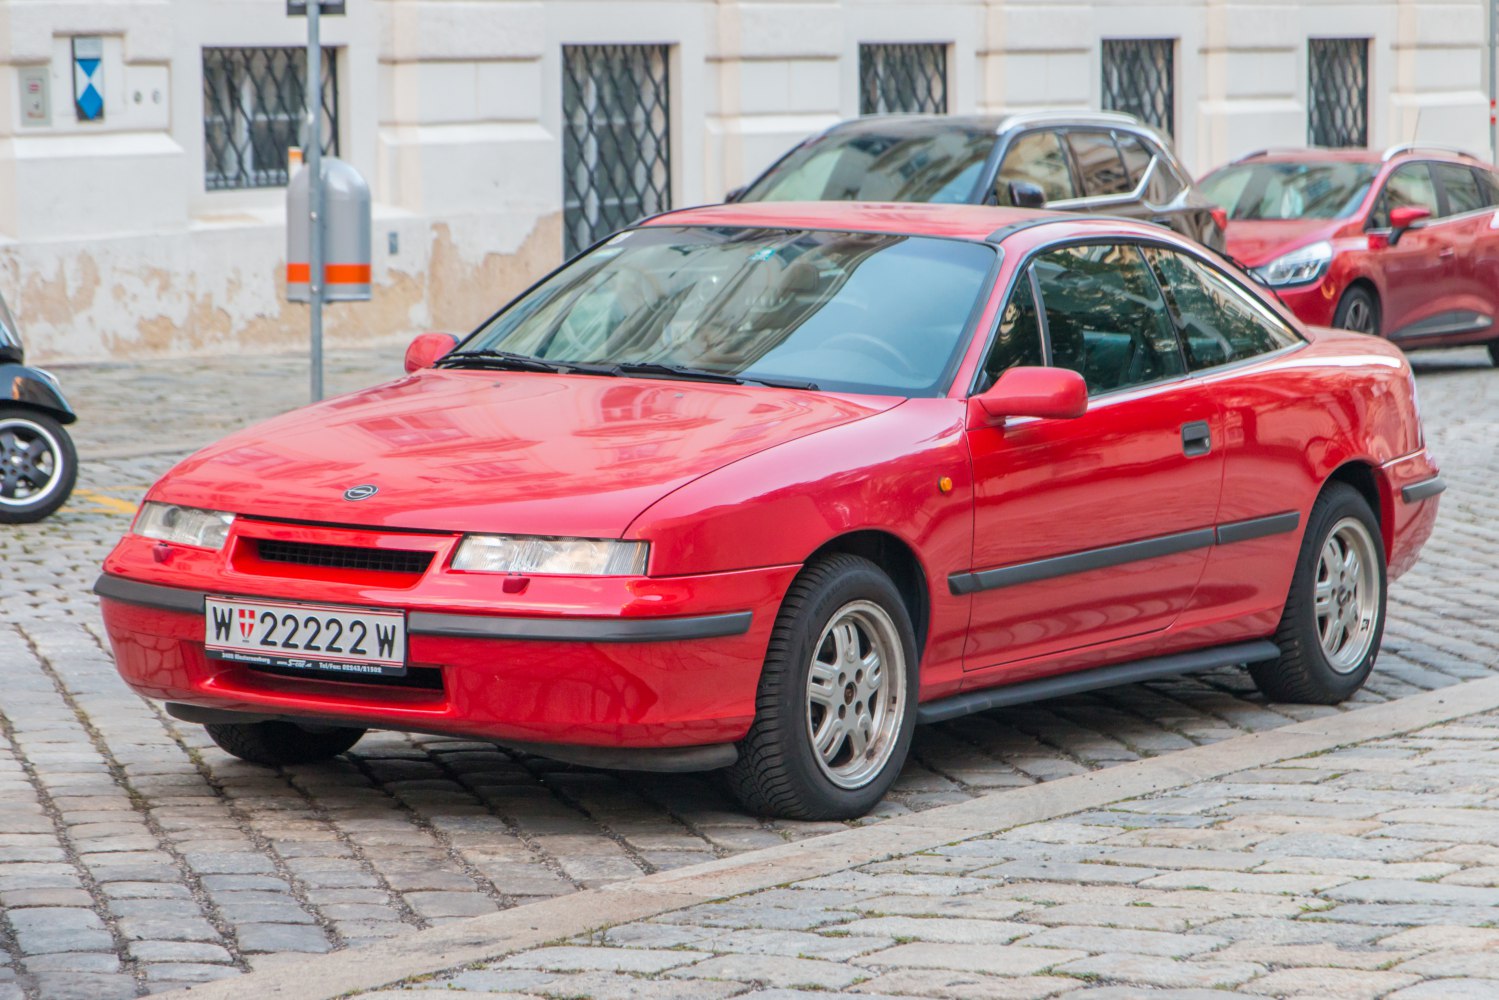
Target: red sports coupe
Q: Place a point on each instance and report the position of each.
(760, 487)
(1403, 244)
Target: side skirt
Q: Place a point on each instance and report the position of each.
(1099, 677)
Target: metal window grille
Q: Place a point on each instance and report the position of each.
(902, 78)
(616, 139)
(1139, 77)
(254, 109)
(1337, 106)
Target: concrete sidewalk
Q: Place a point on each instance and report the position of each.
(1353, 856)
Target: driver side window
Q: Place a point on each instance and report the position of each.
(1410, 186)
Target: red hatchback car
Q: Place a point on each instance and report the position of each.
(761, 487)
(1403, 244)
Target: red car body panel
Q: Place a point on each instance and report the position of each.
(1441, 266)
(735, 487)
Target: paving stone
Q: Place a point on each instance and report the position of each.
(939, 984)
(1154, 970)
(1006, 960)
(1100, 939)
(575, 959)
(775, 970)
(1332, 984)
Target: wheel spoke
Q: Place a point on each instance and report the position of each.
(35, 451)
(829, 737)
(1324, 597)
(822, 685)
(858, 735)
(846, 642)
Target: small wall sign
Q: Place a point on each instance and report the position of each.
(88, 77)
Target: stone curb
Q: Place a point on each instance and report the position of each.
(485, 938)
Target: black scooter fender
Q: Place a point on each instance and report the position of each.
(30, 387)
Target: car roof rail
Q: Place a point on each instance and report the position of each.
(1411, 147)
(1073, 114)
(1255, 153)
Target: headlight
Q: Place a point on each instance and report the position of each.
(559, 556)
(1299, 266)
(207, 529)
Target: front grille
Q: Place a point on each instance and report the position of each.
(344, 556)
(420, 678)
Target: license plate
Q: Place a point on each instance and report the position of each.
(305, 636)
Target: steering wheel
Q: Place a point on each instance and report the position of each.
(864, 340)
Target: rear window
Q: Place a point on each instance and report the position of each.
(861, 166)
(1461, 185)
(1099, 167)
(1290, 190)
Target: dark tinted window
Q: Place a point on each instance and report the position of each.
(1461, 185)
(1220, 322)
(1409, 186)
(1100, 170)
(865, 166)
(1105, 316)
(1017, 341)
(1035, 157)
(1489, 182)
(1137, 157)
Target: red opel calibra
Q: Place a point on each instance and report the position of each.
(760, 487)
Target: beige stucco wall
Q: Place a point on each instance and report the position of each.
(111, 246)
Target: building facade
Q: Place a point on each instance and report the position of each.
(144, 155)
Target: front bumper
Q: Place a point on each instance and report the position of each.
(1314, 303)
(605, 663)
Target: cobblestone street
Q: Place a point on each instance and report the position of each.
(136, 857)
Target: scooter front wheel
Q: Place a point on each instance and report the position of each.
(38, 465)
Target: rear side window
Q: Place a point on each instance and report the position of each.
(1220, 323)
(1036, 157)
(1410, 186)
(1489, 182)
(1105, 316)
(1017, 340)
(1165, 183)
(1461, 185)
(1136, 156)
(1100, 170)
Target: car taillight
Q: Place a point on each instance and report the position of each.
(1220, 216)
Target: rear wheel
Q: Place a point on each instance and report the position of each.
(38, 465)
(1334, 616)
(1357, 310)
(836, 706)
(282, 742)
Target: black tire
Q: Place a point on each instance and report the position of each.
(33, 444)
(779, 771)
(1358, 310)
(1306, 671)
(281, 742)
(1494, 351)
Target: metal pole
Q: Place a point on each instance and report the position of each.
(314, 91)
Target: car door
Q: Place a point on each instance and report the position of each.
(1269, 415)
(1467, 221)
(1418, 270)
(1096, 528)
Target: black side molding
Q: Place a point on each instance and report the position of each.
(1080, 562)
(1099, 677)
(1424, 489)
(1258, 527)
(148, 595)
(579, 629)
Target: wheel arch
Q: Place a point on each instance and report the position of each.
(899, 561)
(1366, 283)
(1365, 477)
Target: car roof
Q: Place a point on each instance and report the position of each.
(977, 223)
(924, 125)
(1375, 157)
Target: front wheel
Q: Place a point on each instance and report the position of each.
(38, 465)
(277, 743)
(836, 705)
(1358, 311)
(1334, 616)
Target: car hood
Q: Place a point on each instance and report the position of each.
(519, 453)
(1256, 242)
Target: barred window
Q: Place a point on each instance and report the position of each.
(254, 110)
(902, 78)
(1337, 92)
(1139, 77)
(616, 139)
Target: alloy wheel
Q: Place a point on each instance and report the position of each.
(28, 462)
(856, 691)
(1347, 594)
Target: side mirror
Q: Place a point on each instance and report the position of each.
(735, 194)
(1059, 393)
(1403, 218)
(1024, 194)
(424, 351)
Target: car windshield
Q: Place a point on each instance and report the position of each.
(852, 312)
(942, 167)
(1292, 190)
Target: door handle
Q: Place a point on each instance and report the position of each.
(1446, 252)
(1197, 439)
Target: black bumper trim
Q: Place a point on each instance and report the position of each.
(1423, 490)
(149, 595)
(579, 629)
(1258, 527)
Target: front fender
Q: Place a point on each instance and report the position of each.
(32, 387)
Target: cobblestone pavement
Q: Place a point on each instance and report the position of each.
(135, 856)
(1316, 877)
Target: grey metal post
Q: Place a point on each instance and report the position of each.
(314, 158)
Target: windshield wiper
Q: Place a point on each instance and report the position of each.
(510, 361)
(703, 375)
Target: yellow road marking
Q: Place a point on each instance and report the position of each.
(113, 505)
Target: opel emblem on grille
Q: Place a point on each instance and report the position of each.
(361, 492)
